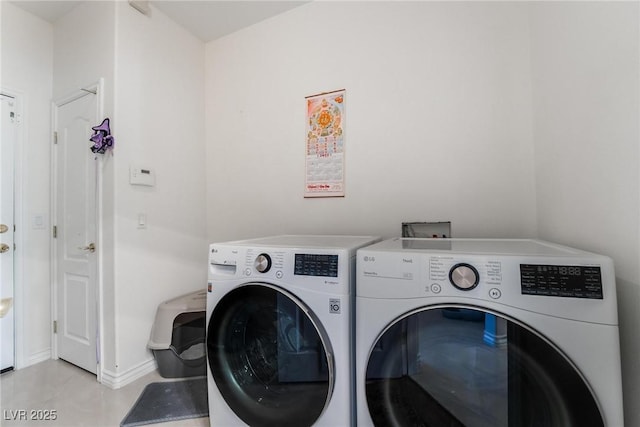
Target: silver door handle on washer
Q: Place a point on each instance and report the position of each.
(90, 248)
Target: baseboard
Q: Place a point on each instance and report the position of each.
(117, 380)
(25, 362)
(38, 357)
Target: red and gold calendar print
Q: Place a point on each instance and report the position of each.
(325, 145)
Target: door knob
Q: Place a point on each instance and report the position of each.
(3, 228)
(91, 248)
(5, 306)
(4, 248)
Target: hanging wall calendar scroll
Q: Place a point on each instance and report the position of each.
(325, 145)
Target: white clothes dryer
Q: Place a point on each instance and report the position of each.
(486, 333)
(279, 332)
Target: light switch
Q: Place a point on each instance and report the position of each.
(38, 222)
(142, 220)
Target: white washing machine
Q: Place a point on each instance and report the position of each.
(280, 331)
(474, 332)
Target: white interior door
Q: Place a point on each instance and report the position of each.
(7, 316)
(75, 241)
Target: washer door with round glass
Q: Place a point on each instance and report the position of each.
(454, 366)
(269, 357)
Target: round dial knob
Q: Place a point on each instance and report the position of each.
(464, 277)
(262, 263)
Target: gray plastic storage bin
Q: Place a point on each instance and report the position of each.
(178, 336)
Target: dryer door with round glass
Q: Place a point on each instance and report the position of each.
(269, 357)
(462, 366)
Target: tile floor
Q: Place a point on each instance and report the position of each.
(78, 399)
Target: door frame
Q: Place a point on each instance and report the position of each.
(96, 88)
(18, 236)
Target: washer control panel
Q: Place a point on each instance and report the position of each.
(304, 264)
(320, 265)
(262, 263)
(276, 263)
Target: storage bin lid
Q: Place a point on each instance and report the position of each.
(162, 328)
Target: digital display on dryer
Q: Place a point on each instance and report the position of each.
(316, 265)
(571, 281)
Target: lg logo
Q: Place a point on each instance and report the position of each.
(369, 259)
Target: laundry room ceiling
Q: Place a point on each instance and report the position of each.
(206, 19)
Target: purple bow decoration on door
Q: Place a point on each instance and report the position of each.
(102, 139)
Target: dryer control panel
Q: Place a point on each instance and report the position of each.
(533, 275)
(571, 281)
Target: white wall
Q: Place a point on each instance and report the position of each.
(153, 72)
(84, 49)
(27, 62)
(438, 119)
(586, 86)
(160, 126)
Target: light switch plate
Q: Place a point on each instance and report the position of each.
(142, 220)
